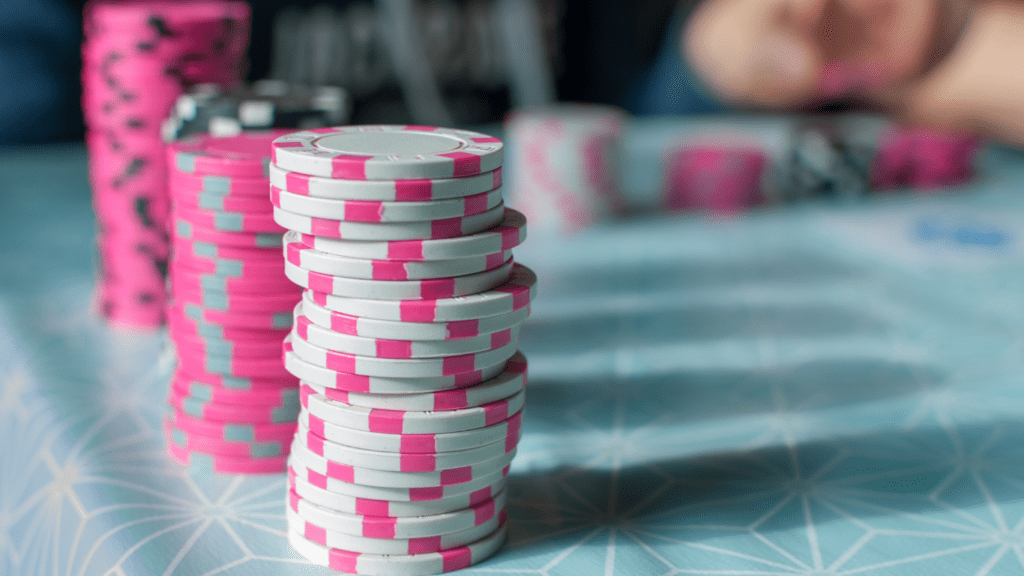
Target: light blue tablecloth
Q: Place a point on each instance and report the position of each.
(813, 391)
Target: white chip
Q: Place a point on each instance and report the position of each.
(384, 190)
(396, 565)
(511, 232)
(387, 152)
(422, 230)
(396, 290)
(395, 330)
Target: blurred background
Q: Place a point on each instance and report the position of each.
(484, 57)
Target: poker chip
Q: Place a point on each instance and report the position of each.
(506, 431)
(372, 328)
(185, 184)
(199, 329)
(400, 368)
(379, 211)
(218, 203)
(330, 378)
(219, 464)
(401, 546)
(511, 380)
(235, 302)
(398, 565)
(399, 462)
(237, 268)
(247, 414)
(236, 384)
(189, 231)
(252, 320)
(335, 485)
(513, 295)
(387, 527)
(230, 431)
(308, 258)
(230, 283)
(226, 396)
(417, 230)
(384, 190)
(389, 508)
(387, 152)
(510, 233)
(403, 422)
(261, 367)
(394, 290)
(258, 223)
(245, 155)
(384, 348)
(218, 447)
(391, 479)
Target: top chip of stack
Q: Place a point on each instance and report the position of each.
(406, 344)
(220, 111)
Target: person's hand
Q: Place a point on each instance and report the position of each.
(798, 53)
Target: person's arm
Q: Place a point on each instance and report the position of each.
(980, 86)
(950, 63)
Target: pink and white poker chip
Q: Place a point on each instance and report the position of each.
(507, 431)
(391, 479)
(419, 230)
(304, 256)
(502, 386)
(245, 155)
(400, 368)
(511, 232)
(513, 295)
(391, 329)
(390, 508)
(378, 211)
(397, 290)
(299, 469)
(402, 422)
(388, 152)
(389, 527)
(399, 462)
(330, 378)
(419, 190)
(390, 546)
(387, 348)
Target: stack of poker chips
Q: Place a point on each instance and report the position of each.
(565, 166)
(226, 111)
(137, 58)
(406, 344)
(232, 404)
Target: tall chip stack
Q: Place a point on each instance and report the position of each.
(406, 344)
(232, 405)
(137, 57)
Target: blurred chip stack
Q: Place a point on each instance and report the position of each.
(224, 111)
(138, 57)
(406, 344)
(233, 405)
(565, 175)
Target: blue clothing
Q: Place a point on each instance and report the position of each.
(670, 86)
(39, 62)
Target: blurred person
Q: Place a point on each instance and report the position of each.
(954, 64)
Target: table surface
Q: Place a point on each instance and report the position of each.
(817, 390)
